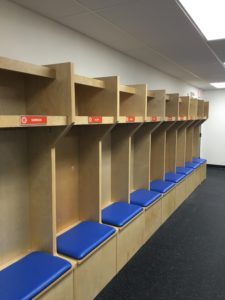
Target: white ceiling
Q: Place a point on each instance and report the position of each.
(157, 32)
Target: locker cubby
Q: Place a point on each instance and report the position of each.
(184, 107)
(132, 103)
(158, 166)
(206, 109)
(156, 105)
(96, 100)
(26, 195)
(172, 107)
(78, 184)
(193, 113)
(115, 174)
(200, 111)
(32, 95)
(140, 176)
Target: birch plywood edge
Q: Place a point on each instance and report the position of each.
(26, 68)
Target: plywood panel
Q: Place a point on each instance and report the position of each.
(172, 105)
(181, 146)
(157, 106)
(184, 106)
(158, 153)
(52, 97)
(12, 93)
(92, 101)
(171, 149)
(14, 195)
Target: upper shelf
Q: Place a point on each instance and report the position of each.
(156, 106)
(26, 68)
(172, 107)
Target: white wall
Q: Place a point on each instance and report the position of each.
(30, 37)
(213, 130)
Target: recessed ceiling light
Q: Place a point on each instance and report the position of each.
(218, 85)
(208, 16)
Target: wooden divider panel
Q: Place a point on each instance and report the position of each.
(200, 112)
(189, 141)
(172, 105)
(181, 145)
(184, 107)
(206, 109)
(156, 104)
(171, 147)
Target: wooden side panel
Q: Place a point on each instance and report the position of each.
(171, 149)
(158, 153)
(41, 182)
(93, 274)
(168, 204)
(206, 109)
(180, 193)
(120, 161)
(189, 143)
(67, 180)
(172, 106)
(181, 147)
(91, 101)
(129, 240)
(52, 97)
(157, 106)
(141, 158)
(153, 219)
(134, 104)
(184, 106)
(63, 289)
(14, 195)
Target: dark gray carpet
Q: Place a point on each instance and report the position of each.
(185, 259)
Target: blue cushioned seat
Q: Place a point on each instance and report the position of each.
(83, 238)
(143, 197)
(192, 165)
(174, 177)
(199, 160)
(183, 170)
(161, 186)
(27, 277)
(120, 213)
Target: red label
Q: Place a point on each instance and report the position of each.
(181, 117)
(130, 119)
(94, 119)
(153, 119)
(33, 120)
(170, 118)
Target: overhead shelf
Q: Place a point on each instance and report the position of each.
(26, 68)
(156, 106)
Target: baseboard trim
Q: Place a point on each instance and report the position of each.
(216, 166)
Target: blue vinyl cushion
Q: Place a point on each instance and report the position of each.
(183, 170)
(174, 177)
(83, 238)
(192, 165)
(199, 160)
(143, 197)
(30, 275)
(120, 213)
(161, 186)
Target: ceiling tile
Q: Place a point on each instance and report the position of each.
(100, 4)
(218, 47)
(53, 8)
(97, 28)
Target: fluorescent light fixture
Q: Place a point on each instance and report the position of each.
(208, 15)
(218, 85)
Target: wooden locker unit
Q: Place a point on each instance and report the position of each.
(158, 162)
(26, 199)
(33, 95)
(96, 100)
(172, 107)
(206, 109)
(132, 103)
(193, 112)
(78, 192)
(184, 108)
(115, 173)
(156, 105)
(140, 174)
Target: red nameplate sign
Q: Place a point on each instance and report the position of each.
(130, 119)
(153, 119)
(169, 118)
(33, 120)
(94, 119)
(181, 117)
